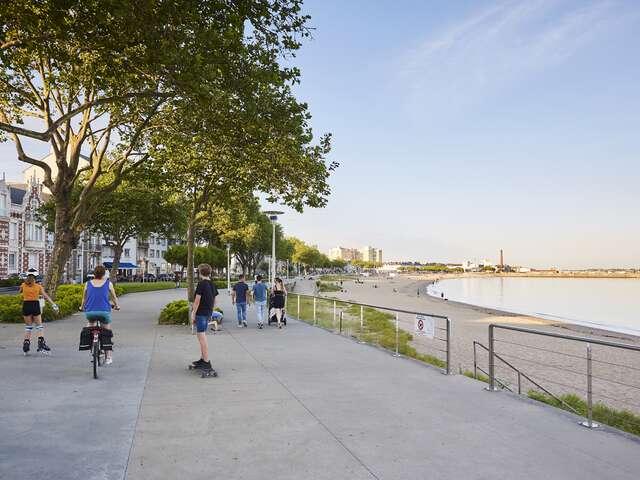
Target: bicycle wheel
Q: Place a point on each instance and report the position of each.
(95, 350)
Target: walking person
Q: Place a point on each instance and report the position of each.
(203, 305)
(176, 278)
(239, 298)
(259, 293)
(278, 296)
(31, 310)
(97, 299)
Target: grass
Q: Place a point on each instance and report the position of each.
(480, 377)
(328, 287)
(337, 278)
(379, 327)
(622, 419)
(144, 287)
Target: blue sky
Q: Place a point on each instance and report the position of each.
(463, 127)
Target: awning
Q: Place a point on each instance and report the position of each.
(122, 266)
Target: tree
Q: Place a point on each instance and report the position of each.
(177, 255)
(93, 76)
(137, 208)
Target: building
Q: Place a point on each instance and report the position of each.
(346, 254)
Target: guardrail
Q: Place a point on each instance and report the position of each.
(354, 322)
(587, 360)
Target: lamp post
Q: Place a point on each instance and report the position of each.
(229, 268)
(273, 216)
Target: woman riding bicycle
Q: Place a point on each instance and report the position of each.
(96, 303)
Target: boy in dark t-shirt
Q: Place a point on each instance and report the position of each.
(203, 304)
(239, 298)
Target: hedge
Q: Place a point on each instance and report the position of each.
(69, 299)
(177, 313)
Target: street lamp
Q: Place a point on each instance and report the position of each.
(273, 216)
(229, 268)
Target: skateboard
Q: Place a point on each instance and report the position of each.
(204, 373)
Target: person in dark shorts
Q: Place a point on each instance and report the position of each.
(239, 298)
(278, 295)
(203, 305)
(31, 293)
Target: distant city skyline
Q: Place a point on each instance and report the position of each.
(470, 126)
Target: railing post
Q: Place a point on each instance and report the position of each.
(314, 311)
(519, 384)
(492, 373)
(298, 307)
(397, 336)
(448, 372)
(361, 324)
(589, 423)
(475, 363)
(341, 314)
(333, 325)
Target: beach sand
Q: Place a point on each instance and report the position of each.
(557, 365)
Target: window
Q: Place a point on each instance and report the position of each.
(127, 252)
(151, 253)
(33, 260)
(3, 205)
(29, 233)
(12, 261)
(13, 231)
(158, 253)
(38, 236)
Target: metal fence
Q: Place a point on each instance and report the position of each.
(606, 373)
(378, 325)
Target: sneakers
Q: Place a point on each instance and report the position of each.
(204, 365)
(26, 346)
(42, 346)
(108, 361)
(197, 362)
(260, 326)
(244, 323)
(240, 325)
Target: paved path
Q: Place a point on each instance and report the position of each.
(294, 403)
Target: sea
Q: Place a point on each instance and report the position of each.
(609, 303)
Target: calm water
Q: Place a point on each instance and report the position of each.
(606, 302)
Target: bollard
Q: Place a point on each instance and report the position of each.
(589, 423)
(397, 337)
(361, 324)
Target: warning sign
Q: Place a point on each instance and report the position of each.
(425, 326)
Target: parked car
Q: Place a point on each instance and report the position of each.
(150, 277)
(165, 277)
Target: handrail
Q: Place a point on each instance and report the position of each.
(447, 330)
(520, 373)
(589, 341)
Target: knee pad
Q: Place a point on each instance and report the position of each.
(28, 328)
(39, 328)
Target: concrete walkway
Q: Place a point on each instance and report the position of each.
(294, 403)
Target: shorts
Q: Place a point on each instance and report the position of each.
(31, 308)
(202, 323)
(104, 317)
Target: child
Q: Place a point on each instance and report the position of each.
(203, 304)
(216, 320)
(31, 292)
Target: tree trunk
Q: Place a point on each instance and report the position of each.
(190, 248)
(117, 255)
(64, 241)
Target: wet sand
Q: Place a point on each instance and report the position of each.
(557, 365)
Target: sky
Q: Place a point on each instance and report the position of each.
(466, 127)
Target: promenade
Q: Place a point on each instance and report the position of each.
(297, 403)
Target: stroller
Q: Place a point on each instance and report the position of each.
(272, 314)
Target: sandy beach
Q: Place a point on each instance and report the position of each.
(558, 365)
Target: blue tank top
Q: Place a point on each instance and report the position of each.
(97, 298)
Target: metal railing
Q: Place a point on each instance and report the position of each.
(586, 360)
(354, 322)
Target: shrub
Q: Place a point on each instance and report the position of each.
(175, 313)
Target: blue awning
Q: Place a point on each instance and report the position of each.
(122, 266)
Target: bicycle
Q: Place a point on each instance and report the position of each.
(98, 355)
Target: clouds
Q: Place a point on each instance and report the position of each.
(491, 48)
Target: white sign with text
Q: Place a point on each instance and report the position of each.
(425, 326)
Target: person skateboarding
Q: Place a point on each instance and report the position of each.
(203, 305)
